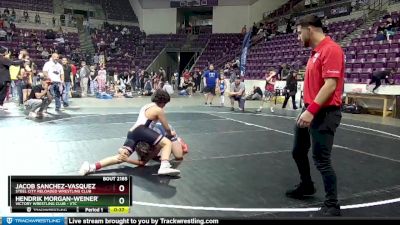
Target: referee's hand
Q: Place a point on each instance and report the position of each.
(305, 119)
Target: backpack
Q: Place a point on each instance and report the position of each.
(352, 108)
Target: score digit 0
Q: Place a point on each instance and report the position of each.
(121, 188)
(121, 200)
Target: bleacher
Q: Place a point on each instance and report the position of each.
(219, 46)
(15, 45)
(34, 5)
(364, 55)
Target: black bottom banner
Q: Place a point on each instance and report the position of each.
(211, 221)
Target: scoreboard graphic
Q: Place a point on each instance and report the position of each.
(70, 194)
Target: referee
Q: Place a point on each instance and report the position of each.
(317, 123)
(5, 78)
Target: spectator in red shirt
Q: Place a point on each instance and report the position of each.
(186, 74)
(269, 92)
(317, 123)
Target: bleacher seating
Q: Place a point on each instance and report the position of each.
(35, 5)
(15, 45)
(285, 48)
(364, 55)
(132, 44)
(119, 10)
(219, 46)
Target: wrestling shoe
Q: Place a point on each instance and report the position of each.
(32, 115)
(85, 169)
(167, 170)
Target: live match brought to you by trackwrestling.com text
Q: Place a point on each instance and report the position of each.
(110, 220)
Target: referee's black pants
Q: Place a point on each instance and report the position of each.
(320, 137)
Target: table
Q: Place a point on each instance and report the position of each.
(385, 99)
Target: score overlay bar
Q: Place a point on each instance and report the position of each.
(69, 193)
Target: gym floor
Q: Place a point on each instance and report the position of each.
(239, 164)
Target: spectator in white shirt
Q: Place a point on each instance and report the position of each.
(54, 70)
(168, 88)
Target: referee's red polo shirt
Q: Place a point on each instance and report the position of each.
(326, 61)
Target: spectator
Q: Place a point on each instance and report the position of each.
(39, 98)
(10, 34)
(132, 80)
(62, 19)
(3, 35)
(186, 74)
(210, 80)
(45, 54)
(325, 25)
(377, 76)
(96, 59)
(389, 28)
(174, 80)
(6, 11)
(270, 80)
(75, 81)
(289, 26)
(163, 74)
(197, 79)
(1, 22)
(257, 94)
(254, 29)
(54, 70)
(26, 76)
(54, 21)
(284, 72)
(381, 32)
(68, 81)
(13, 15)
(187, 87)
(25, 16)
(110, 77)
(84, 73)
(244, 30)
(102, 79)
(37, 18)
(148, 88)
(168, 88)
(237, 93)
(93, 80)
(13, 27)
(102, 59)
(290, 89)
(222, 86)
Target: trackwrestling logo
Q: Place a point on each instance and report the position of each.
(33, 220)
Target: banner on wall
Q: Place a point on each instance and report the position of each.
(338, 10)
(245, 49)
(192, 3)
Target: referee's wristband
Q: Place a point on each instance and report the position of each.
(314, 108)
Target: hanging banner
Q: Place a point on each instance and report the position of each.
(245, 49)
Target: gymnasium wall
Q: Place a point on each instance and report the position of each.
(155, 20)
(230, 19)
(257, 9)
